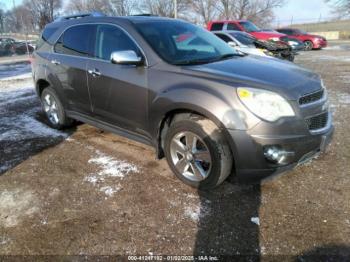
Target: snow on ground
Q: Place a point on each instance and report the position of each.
(21, 120)
(197, 212)
(15, 205)
(255, 220)
(109, 167)
(18, 77)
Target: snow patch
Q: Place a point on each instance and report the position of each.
(4, 240)
(196, 213)
(18, 77)
(255, 220)
(111, 167)
(109, 191)
(15, 206)
(344, 98)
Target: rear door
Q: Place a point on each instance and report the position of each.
(69, 62)
(119, 93)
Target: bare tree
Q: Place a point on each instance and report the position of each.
(164, 7)
(43, 10)
(123, 7)
(259, 11)
(341, 8)
(82, 6)
(205, 9)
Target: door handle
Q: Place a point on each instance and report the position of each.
(94, 72)
(55, 62)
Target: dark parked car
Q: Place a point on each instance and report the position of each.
(294, 43)
(210, 110)
(11, 46)
(310, 41)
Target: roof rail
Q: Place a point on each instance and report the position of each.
(81, 15)
(146, 14)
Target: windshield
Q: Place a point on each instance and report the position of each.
(182, 43)
(245, 39)
(301, 32)
(249, 26)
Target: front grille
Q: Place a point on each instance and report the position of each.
(317, 122)
(309, 98)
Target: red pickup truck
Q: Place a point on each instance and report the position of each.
(245, 26)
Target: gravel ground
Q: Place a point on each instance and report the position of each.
(88, 192)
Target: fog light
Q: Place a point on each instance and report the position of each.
(275, 154)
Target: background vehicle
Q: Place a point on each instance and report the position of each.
(311, 41)
(294, 43)
(250, 45)
(245, 26)
(11, 46)
(210, 110)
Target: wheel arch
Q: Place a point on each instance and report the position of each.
(184, 112)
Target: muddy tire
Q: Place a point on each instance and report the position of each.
(197, 151)
(54, 110)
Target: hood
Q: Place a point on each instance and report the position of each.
(262, 35)
(259, 72)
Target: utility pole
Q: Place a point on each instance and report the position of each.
(14, 4)
(175, 8)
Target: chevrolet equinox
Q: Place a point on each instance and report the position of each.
(210, 110)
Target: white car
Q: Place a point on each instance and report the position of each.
(243, 42)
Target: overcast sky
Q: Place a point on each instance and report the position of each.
(301, 10)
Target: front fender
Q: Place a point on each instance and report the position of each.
(220, 111)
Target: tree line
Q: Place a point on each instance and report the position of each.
(33, 15)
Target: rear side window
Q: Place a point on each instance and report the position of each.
(45, 36)
(224, 37)
(75, 41)
(217, 26)
(232, 26)
(111, 39)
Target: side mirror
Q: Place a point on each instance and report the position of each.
(128, 57)
(232, 44)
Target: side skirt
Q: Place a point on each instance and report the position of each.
(110, 128)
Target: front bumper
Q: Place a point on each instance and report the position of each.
(252, 165)
(320, 44)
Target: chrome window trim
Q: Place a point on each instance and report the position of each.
(93, 57)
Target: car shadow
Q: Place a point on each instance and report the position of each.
(228, 224)
(336, 253)
(24, 130)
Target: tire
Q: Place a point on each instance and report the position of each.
(212, 154)
(61, 120)
(308, 45)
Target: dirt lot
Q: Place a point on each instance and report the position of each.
(88, 192)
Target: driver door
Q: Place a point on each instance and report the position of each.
(119, 93)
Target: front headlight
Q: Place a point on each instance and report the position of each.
(265, 104)
(275, 39)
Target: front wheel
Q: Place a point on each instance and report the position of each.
(197, 151)
(308, 45)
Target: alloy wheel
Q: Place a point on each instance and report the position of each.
(190, 156)
(308, 45)
(50, 108)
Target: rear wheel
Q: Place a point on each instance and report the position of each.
(54, 110)
(197, 151)
(308, 45)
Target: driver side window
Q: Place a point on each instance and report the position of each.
(111, 39)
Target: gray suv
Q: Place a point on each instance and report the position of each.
(210, 110)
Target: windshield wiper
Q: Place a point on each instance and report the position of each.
(206, 61)
(227, 56)
(193, 62)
